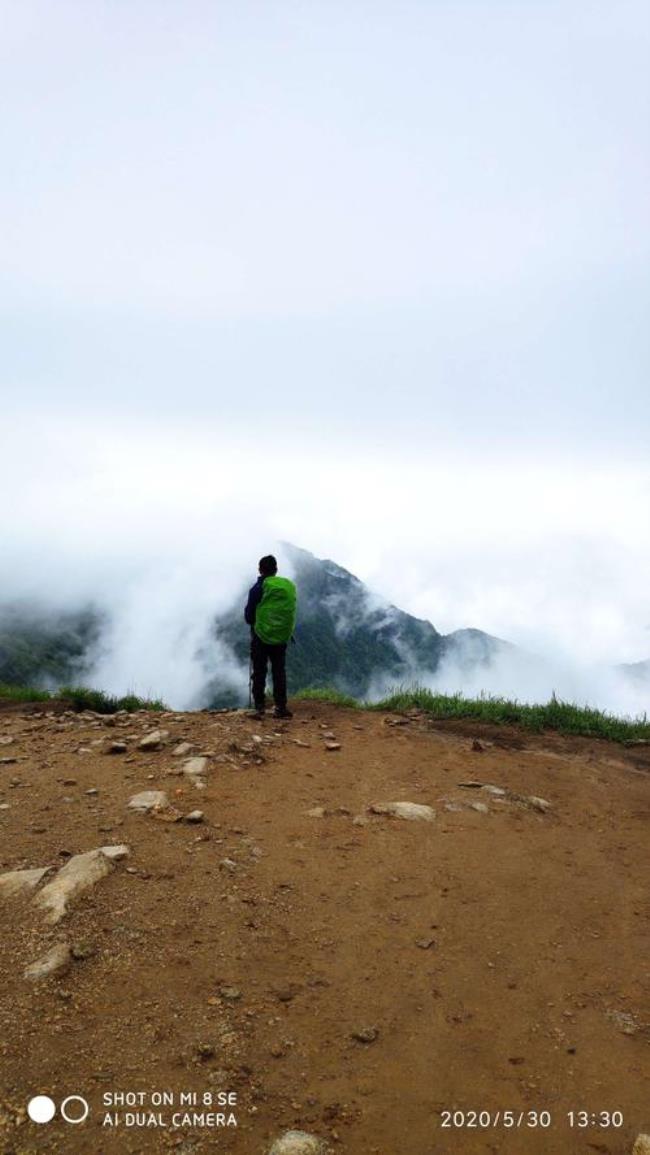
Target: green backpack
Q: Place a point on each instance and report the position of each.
(275, 618)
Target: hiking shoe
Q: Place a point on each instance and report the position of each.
(257, 714)
(282, 713)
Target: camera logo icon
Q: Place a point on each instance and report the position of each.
(74, 1109)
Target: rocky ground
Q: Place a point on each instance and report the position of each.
(266, 934)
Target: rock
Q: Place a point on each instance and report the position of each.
(228, 864)
(480, 806)
(21, 881)
(195, 767)
(472, 785)
(230, 994)
(316, 812)
(360, 820)
(93, 790)
(366, 1035)
(182, 749)
(115, 748)
(538, 803)
(148, 800)
(5, 806)
(641, 1145)
(7, 740)
(114, 852)
(425, 943)
(194, 816)
(413, 811)
(332, 745)
(153, 740)
(624, 1021)
(298, 1143)
(79, 874)
(83, 949)
(56, 961)
(496, 790)
(476, 745)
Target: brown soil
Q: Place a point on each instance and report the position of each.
(501, 957)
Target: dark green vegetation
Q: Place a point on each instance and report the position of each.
(563, 717)
(80, 698)
(83, 698)
(41, 647)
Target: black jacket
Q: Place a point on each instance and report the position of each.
(254, 599)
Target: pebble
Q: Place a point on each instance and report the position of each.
(332, 745)
(413, 811)
(316, 812)
(297, 1143)
(116, 748)
(93, 790)
(480, 806)
(194, 816)
(366, 1035)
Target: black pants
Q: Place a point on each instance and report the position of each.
(261, 654)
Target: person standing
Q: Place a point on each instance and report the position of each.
(271, 613)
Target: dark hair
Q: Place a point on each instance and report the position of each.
(268, 565)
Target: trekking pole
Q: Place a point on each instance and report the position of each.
(250, 682)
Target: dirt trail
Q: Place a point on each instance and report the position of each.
(351, 974)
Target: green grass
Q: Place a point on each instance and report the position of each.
(81, 698)
(85, 698)
(22, 694)
(564, 717)
(328, 694)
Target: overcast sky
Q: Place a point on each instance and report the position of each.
(368, 276)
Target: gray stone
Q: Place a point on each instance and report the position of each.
(56, 961)
(538, 803)
(153, 740)
(366, 1035)
(182, 749)
(480, 806)
(195, 767)
(117, 747)
(498, 791)
(298, 1143)
(412, 811)
(148, 800)
(79, 874)
(194, 816)
(21, 881)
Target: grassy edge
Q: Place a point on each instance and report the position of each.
(81, 698)
(563, 717)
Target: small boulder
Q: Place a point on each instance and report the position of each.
(80, 873)
(182, 750)
(152, 741)
(148, 800)
(21, 881)
(56, 961)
